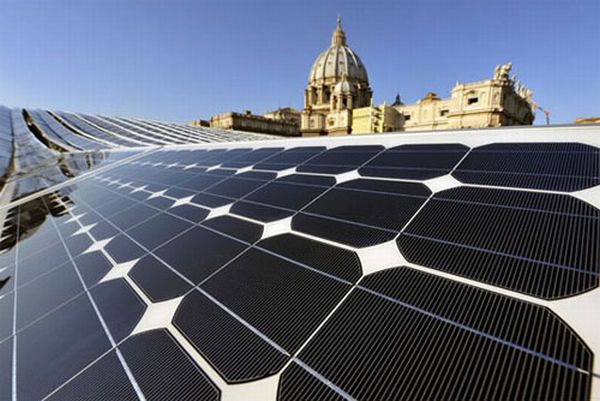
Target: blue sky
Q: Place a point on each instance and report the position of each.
(183, 60)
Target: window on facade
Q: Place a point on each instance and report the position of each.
(406, 117)
(443, 112)
(472, 100)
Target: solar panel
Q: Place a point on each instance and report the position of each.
(372, 268)
(550, 166)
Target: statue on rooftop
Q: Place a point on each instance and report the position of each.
(497, 72)
(504, 72)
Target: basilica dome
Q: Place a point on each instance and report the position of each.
(338, 61)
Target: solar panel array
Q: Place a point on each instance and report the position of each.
(457, 266)
(76, 131)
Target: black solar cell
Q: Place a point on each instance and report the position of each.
(92, 266)
(540, 244)
(104, 380)
(78, 244)
(289, 158)
(157, 230)
(328, 259)
(340, 160)
(237, 228)
(199, 252)
(119, 305)
(235, 187)
(157, 280)
(259, 212)
(549, 166)
(235, 351)
(411, 353)
(251, 158)
(347, 214)
(58, 346)
(46, 293)
(284, 301)
(415, 162)
(283, 196)
(297, 384)
(163, 370)
(122, 249)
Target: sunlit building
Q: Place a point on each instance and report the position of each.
(338, 100)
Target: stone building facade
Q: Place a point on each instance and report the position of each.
(284, 114)
(376, 119)
(495, 102)
(254, 123)
(338, 100)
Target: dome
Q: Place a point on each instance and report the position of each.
(338, 60)
(344, 86)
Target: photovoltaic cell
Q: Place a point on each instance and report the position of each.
(6, 315)
(251, 158)
(282, 300)
(122, 249)
(416, 162)
(163, 370)
(549, 166)
(32, 266)
(282, 197)
(409, 354)
(493, 236)
(236, 187)
(158, 281)
(92, 266)
(340, 160)
(338, 262)
(259, 212)
(104, 380)
(234, 350)
(58, 346)
(199, 252)
(119, 305)
(237, 228)
(47, 292)
(410, 287)
(298, 384)
(289, 158)
(346, 214)
(157, 230)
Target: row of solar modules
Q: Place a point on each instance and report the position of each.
(488, 226)
(75, 131)
(23, 153)
(116, 248)
(40, 148)
(27, 162)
